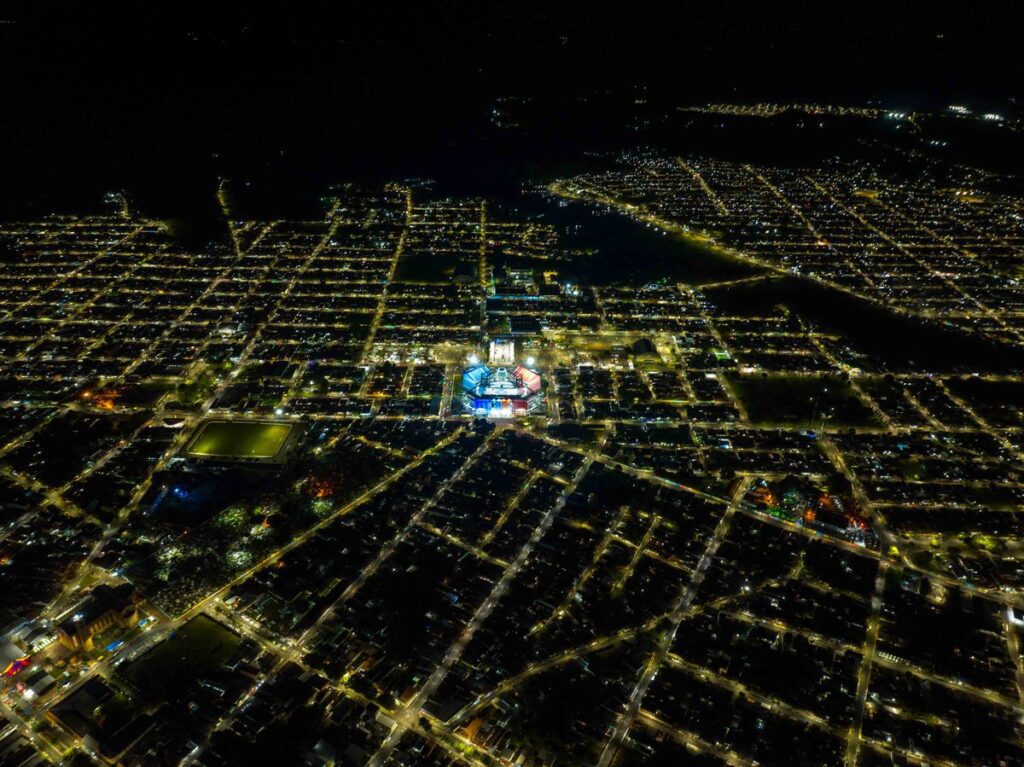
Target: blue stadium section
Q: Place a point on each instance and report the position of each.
(472, 376)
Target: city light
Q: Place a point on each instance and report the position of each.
(481, 391)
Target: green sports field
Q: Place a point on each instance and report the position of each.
(239, 439)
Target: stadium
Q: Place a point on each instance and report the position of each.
(501, 392)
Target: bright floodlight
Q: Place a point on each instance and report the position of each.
(473, 359)
(530, 362)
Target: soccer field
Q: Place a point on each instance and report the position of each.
(240, 439)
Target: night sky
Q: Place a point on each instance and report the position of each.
(100, 92)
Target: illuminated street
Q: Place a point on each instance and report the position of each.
(519, 387)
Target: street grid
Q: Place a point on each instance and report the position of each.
(648, 569)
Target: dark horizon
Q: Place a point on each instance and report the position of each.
(107, 91)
